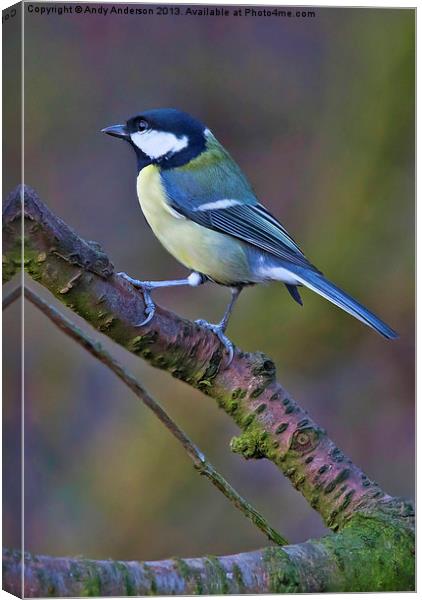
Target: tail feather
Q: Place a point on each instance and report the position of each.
(294, 292)
(317, 282)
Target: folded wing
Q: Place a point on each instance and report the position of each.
(216, 195)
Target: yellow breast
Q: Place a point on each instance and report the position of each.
(214, 254)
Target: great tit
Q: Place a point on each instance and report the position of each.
(203, 210)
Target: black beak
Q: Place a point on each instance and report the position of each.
(119, 131)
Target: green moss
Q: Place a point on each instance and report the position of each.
(183, 568)
(283, 573)
(151, 578)
(331, 519)
(290, 472)
(191, 576)
(213, 367)
(383, 555)
(199, 588)
(31, 262)
(238, 394)
(91, 580)
(237, 574)
(347, 499)
(372, 554)
(216, 576)
(11, 266)
(231, 406)
(252, 443)
(248, 420)
(130, 586)
(140, 343)
(314, 501)
(204, 383)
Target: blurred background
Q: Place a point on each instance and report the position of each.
(319, 113)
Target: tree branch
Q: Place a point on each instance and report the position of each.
(373, 555)
(274, 426)
(199, 460)
(373, 546)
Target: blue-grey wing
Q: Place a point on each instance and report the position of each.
(256, 226)
(220, 198)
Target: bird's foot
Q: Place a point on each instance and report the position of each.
(218, 330)
(145, 288)
(135, 282)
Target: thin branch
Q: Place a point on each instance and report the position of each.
(11, 297)
(198, 458)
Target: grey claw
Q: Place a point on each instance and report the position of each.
(149, 303)
(150, 312)
(218, 331)
(230, 351)
(149, 307)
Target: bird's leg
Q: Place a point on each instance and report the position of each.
(147, 287)
(225, 320)
(220, 328)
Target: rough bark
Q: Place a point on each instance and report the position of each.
(370, 554)
(374, 530)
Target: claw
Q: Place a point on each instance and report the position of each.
(219, 332)
(149, 308)
(149, 302)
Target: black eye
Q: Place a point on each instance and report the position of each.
(142, 125)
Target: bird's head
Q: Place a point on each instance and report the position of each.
(165, 136)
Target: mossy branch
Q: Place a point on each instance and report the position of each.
(367, 555)
(273, 425)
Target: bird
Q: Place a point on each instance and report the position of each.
(203, 210)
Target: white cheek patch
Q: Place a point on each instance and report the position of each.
(156, 144)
